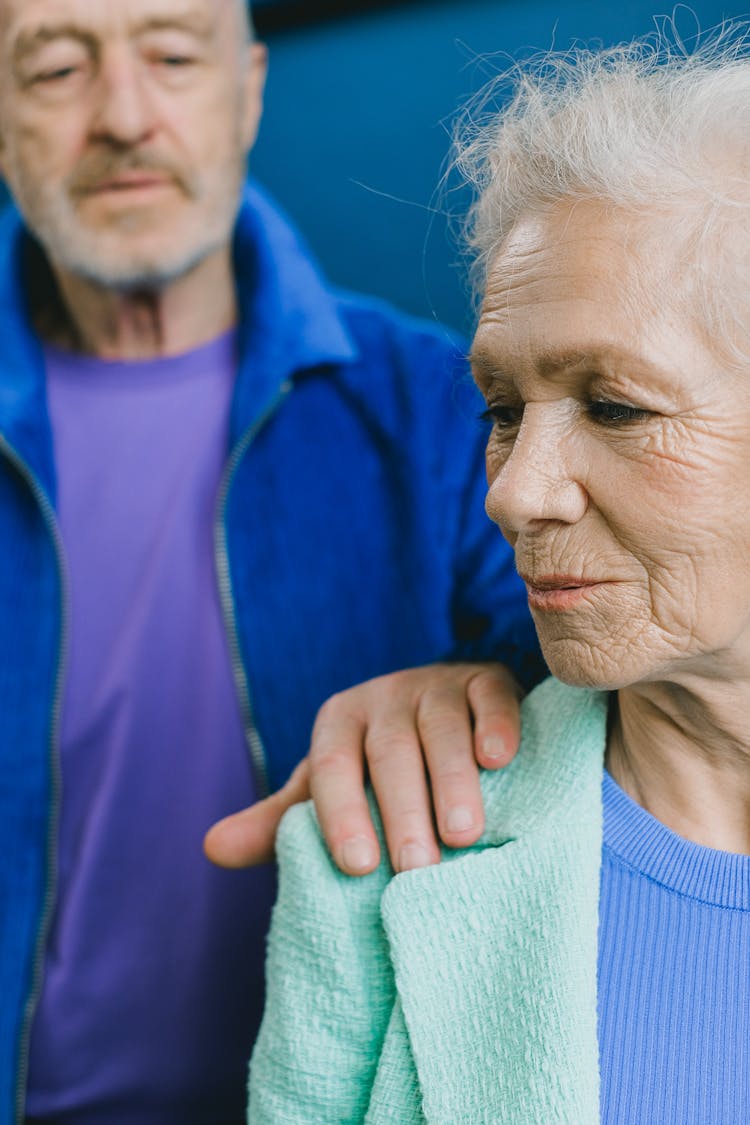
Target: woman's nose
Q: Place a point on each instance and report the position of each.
(536, 481)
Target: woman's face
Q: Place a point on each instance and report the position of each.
(619, 458)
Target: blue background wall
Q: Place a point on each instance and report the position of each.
(356, 124)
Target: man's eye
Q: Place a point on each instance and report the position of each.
(176, 61)
(615, 413)
(58, 75)
(501, 416)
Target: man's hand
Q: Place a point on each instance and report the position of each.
(420, 735)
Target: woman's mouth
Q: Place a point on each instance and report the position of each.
(559, 592)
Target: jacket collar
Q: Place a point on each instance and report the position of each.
(289, 320)
(495, 950)
(289, 323)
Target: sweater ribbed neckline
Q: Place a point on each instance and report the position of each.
(644, 843)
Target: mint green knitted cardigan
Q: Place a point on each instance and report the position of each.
(460, 993)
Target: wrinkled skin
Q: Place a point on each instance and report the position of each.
(618, 468)
(93, 92)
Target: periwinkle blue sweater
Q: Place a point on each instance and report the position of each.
(674, 975)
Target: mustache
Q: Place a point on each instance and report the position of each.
(98, 168)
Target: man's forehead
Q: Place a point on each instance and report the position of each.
(20, 16)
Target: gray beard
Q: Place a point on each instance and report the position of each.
(73, 249)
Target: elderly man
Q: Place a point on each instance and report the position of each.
(219, 491)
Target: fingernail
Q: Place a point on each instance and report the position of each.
(358, 854)
(494, 748)
(459, 819)
(413, 855)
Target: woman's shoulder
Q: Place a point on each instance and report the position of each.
(559, 761)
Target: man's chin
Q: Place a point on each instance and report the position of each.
(125, 268)
(129, 214)
(123, 247)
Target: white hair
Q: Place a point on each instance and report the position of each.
(648, 127)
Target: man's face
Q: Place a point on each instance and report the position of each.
(124, 128)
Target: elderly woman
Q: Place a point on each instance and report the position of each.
(589, 960)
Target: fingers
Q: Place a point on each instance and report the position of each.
(397, 773)
(437, 722)
(421, 734)
(337, 786)
(445, 730)
(494, 698)
(247, 838)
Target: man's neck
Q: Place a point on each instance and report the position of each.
(111, 324)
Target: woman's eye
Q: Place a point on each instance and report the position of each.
(615, 413)
(502, 417)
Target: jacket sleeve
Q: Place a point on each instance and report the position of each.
(491, 619)
(330, 989)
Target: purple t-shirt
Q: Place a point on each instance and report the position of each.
(153, 977)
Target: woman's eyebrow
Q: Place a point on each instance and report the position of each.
(487, 366)
(595, 354)
(606, 359)
(595, 359)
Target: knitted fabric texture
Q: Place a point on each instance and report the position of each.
(460, 993)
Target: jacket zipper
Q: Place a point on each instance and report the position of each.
(54, 762)
(224, 578)
(254, 743)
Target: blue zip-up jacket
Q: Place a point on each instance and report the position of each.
(350, 541)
